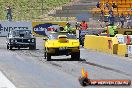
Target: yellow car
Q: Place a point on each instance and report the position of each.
(61, 43)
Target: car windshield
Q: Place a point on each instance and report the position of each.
(55, 35)
(21, 33)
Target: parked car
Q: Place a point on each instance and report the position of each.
(61, 43)
(20, 39)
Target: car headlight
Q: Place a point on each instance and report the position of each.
(33, 40)
(11, 40)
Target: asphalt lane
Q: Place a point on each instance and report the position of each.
(26, 73)
(27, 68)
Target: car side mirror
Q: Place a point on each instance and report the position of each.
(45, 39)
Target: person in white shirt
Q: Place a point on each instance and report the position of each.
(128, 19)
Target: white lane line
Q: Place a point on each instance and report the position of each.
(4, 82)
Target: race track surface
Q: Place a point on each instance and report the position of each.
(28, 68)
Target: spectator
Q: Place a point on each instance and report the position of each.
(128, 18)
(111, 19)
(77, 25)
(114, 5)
(106, 5)
(111, 30)
(98, 5)
(102, 13)
(83, 25)
(122, 20)
(68, 28)
(9, 13)
(110, 12)
(101, 16)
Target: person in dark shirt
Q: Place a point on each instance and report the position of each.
(114, 5)
(111, 19)
(110, 12)
(106, 5)
(122, 20)
(98, 5)
(9, 13)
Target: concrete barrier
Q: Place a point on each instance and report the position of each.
(111, 45)
(122, 50)
(100, 43)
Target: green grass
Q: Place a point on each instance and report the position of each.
(28, 9)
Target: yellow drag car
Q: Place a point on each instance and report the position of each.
(61, 43)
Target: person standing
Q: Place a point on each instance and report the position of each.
(128, 19)
(114, 5)
(122, 20)
(84, 25)
(68, 28)
(98, 5)
(111, 30)
(106, 5)
(9, 13)
(77, 25)
(111, 19)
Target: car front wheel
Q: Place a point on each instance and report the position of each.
(10, 47)
(7, 46)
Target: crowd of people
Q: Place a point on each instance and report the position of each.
(111, 18)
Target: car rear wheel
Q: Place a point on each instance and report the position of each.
(75, 56)
(48, 56)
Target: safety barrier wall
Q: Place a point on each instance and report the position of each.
(122, 50)
(100, 43)
(112, 45)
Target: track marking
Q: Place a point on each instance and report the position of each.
(4, 82)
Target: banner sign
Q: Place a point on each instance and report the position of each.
(43, 28)
(6, 27)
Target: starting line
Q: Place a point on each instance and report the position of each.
(4, 82)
